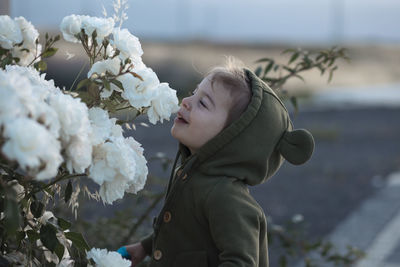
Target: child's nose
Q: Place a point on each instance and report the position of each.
(186, 103)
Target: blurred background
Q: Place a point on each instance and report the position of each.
(355, 118)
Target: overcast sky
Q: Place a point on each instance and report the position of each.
(306, 21)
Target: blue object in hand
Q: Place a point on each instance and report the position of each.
(124, 253)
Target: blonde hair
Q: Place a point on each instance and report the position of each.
(233, 78)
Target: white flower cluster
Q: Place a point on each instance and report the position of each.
(141, 86)
(118, 163)
(40, 122)
(73, 24)
(104, 258)
(30, 126)
(43, 127)
(19, 36)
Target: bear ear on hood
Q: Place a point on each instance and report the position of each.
(296, 146)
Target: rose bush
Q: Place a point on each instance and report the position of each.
(50, 136)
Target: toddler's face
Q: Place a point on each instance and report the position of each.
(202, 115)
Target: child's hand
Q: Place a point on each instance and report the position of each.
(137, 253)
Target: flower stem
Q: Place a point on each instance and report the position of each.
(77, 76)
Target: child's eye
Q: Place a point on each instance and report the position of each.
(202, 103)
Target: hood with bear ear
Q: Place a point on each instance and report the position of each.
(254, 146)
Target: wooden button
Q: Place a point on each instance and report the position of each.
(157, 254)
(167, 216)
(185, 176)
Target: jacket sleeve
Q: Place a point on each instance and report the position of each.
(147, 243)
(234, 223)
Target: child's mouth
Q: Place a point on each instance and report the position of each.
(180, 120)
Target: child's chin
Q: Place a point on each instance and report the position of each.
(174, 132)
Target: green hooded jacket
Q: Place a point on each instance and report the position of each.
(209, 217)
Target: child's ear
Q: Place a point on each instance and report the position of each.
(296, 146)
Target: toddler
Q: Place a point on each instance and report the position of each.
(233, 132)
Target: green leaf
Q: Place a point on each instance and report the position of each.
(48, 236)
(94, 34)
(118, 84)
(127, 61)
(319, 57)
(64, 225)
(331, 62)
(288, 69)
(3, 51)
(83, 83)
(59, 251)
(32, 235)
(37, 208)
(20, 235)
(258, 71)
(107, 85)
(49, 52)
(41, 65)
(266, 59)
(331, 73)
(290, 50)
(12, 217)
(68, 192)
(94, 93)
(294, 57)
(77, 240)
(57, 38)
(268, 67)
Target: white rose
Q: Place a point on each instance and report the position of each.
(102, 26)
(116, 131)
(70, 26)
(103, 258)
(102, 125)
(32, 146)
(113, 190)
(100, 171)
(140, 178)
(24, 94)
(139, 93)
(127, 43)
(72, 113)
(41, 88)
(26, 58)
(113, 168)
(101, 67)
(10, 33)
(79, 153)
(164, 104)
(75, 130)
(10, 103)
(29, 33)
